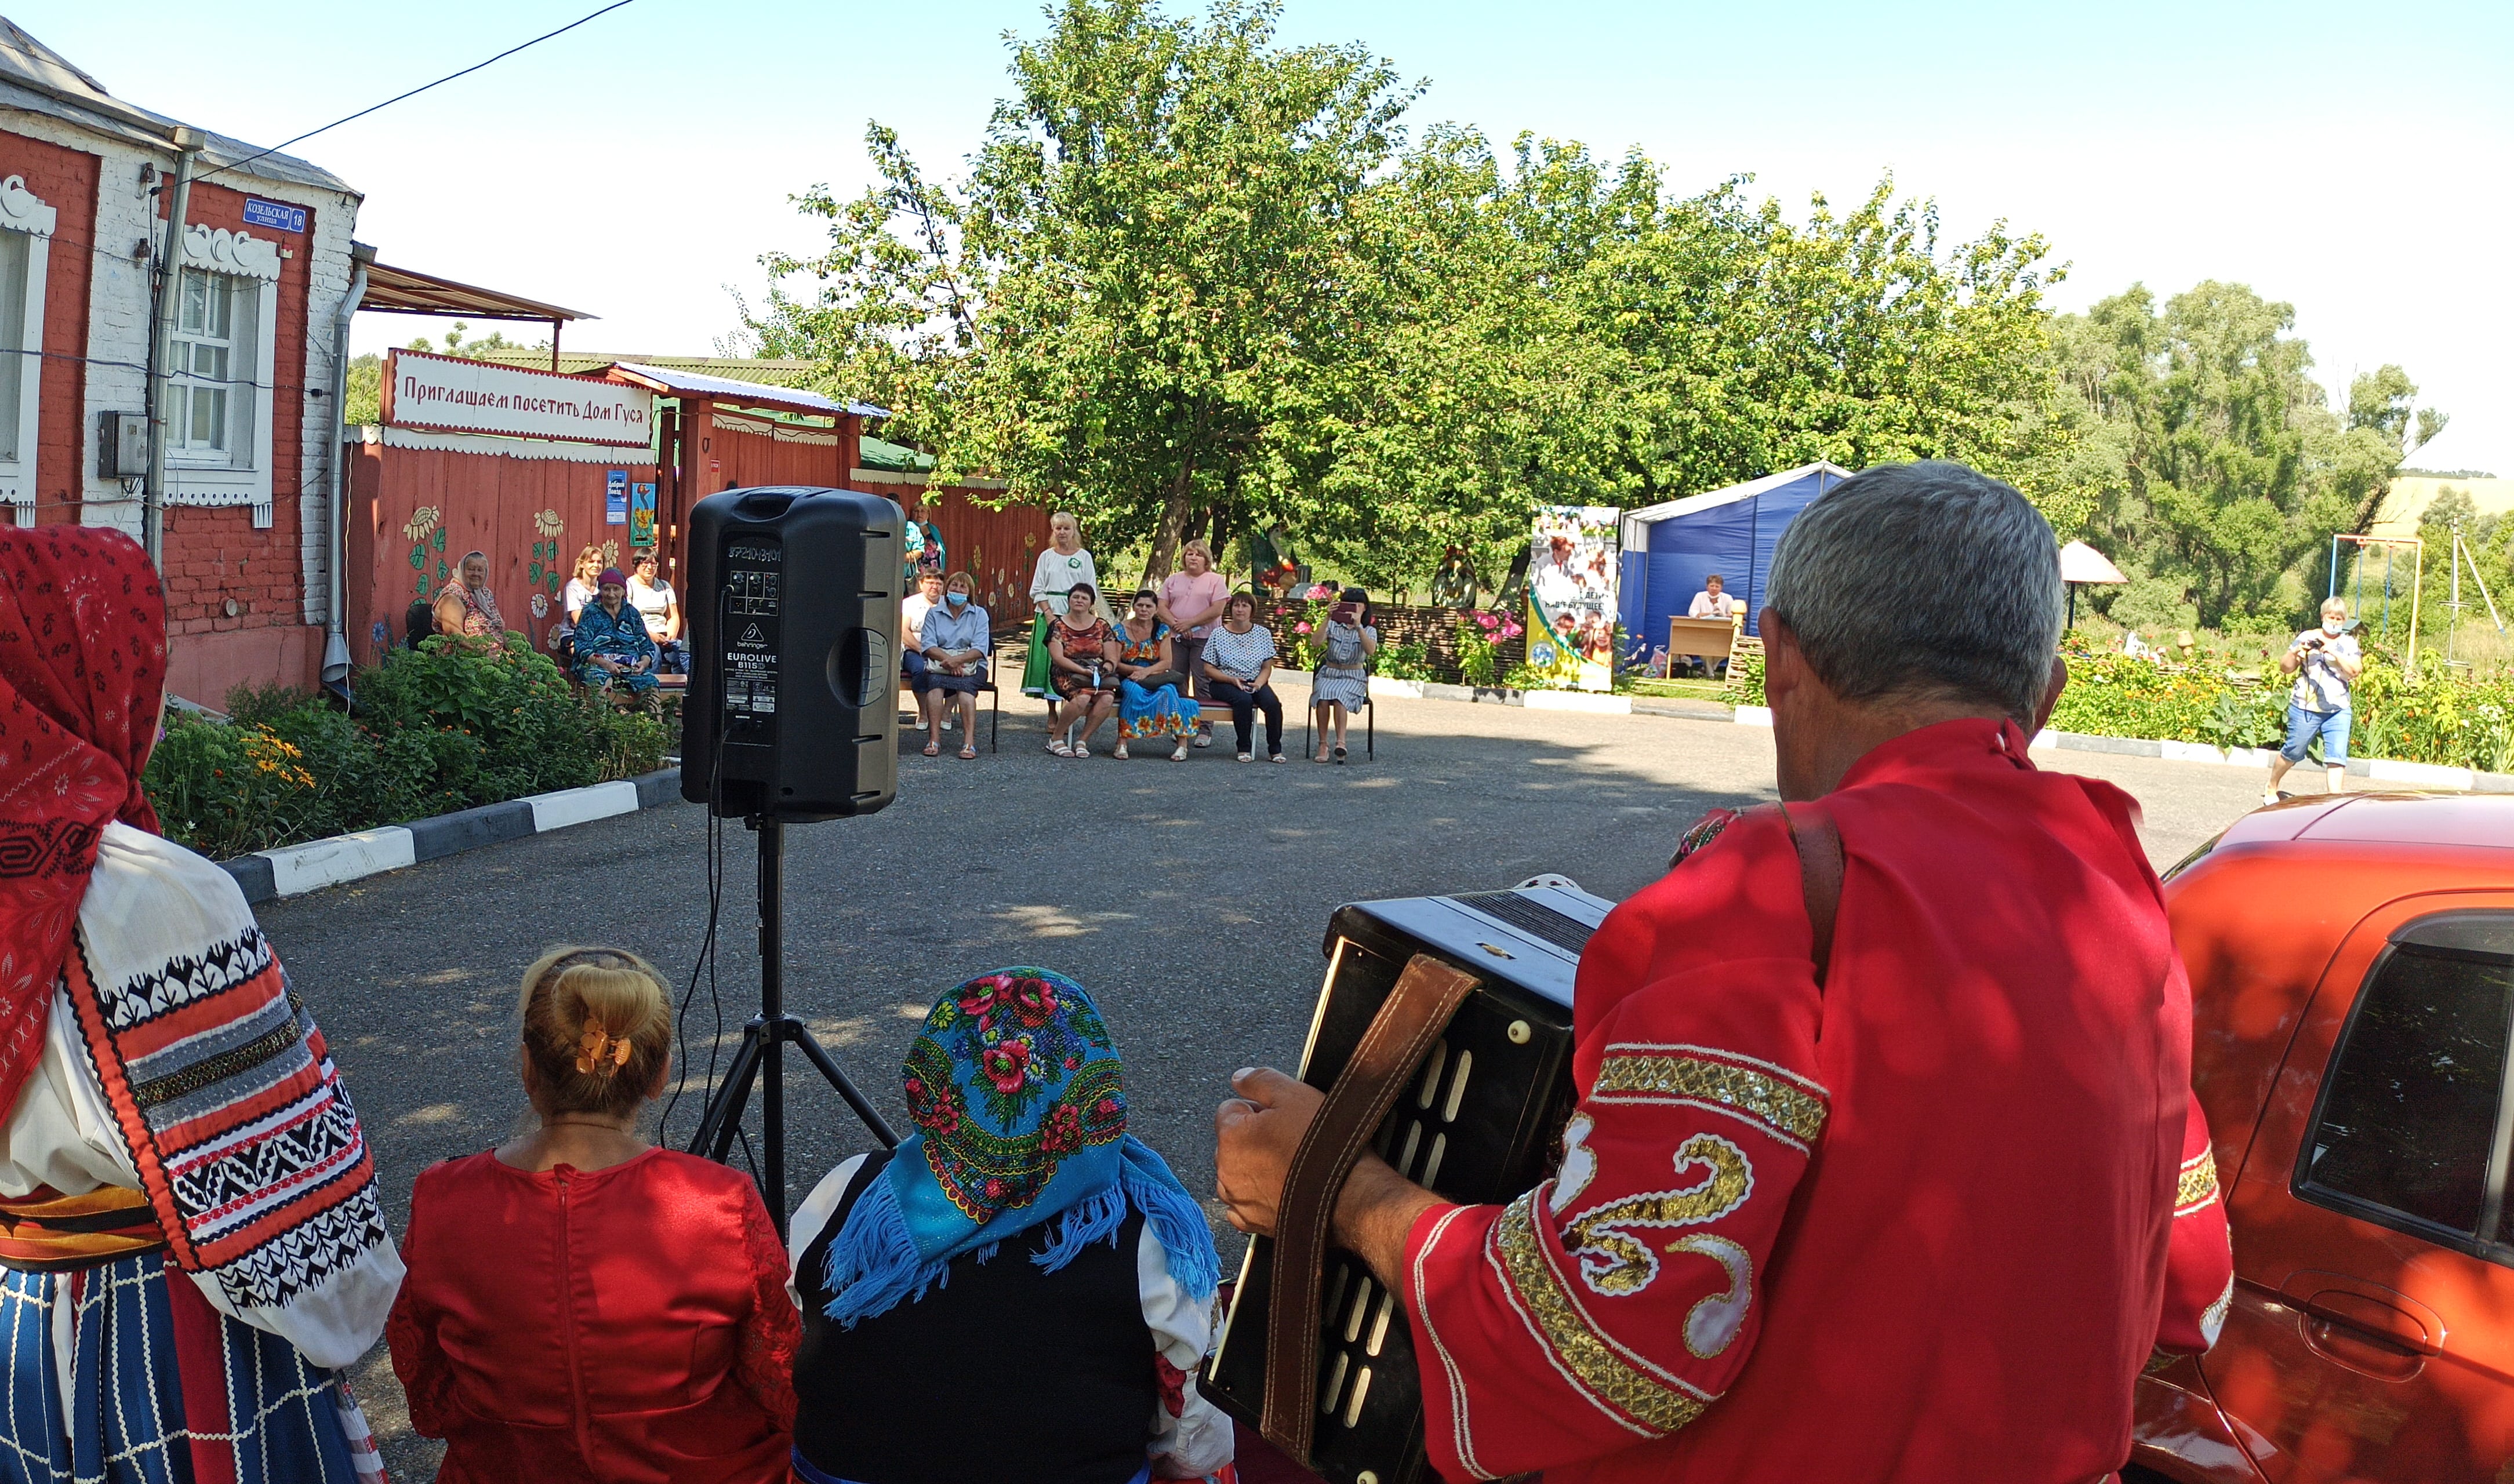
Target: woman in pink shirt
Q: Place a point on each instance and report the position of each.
(1190, 604)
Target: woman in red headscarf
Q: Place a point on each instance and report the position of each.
(190, 1239)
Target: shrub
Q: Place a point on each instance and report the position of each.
(437, 730)
(1403, 662)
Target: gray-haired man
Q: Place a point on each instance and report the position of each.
(1919, 1038)
(2326, 662)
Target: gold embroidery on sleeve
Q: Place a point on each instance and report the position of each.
(2198, 1186)
(1791, 1108)
(1584, 1354)
(1616, 1264)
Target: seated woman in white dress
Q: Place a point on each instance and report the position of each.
(190, 1239)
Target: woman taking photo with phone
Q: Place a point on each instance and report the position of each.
(1341, 684)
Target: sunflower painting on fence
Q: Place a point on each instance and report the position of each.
(428, 543)
(547, 573)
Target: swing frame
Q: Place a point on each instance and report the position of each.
(2417, 578)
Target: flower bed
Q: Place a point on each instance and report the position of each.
(442, 728)
(2436, 716)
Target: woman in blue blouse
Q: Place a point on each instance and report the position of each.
(612, 646)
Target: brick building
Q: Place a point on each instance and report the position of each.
(266, 260)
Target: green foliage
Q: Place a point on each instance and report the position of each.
(1399, 661)
(362, 397)
(442, 728)
(1746, 672)
(2216, 468)
(1194, 282)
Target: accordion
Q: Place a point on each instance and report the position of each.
(1475, 1106)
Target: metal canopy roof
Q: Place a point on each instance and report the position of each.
(691, 383)
(400, 291)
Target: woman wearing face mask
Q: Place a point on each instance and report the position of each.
(956, 636)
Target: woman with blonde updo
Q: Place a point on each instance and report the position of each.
(583, 1304)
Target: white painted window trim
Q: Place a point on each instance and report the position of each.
(20, 210)
(247, 479)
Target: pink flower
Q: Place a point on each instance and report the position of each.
(1062, 1134)
(1512, 631)
(1486, 622)
(1322, 590)
(1006, 1065)
(1301, 627)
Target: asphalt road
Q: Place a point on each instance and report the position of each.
(1190, 899)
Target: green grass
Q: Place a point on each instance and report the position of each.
(1687, 689)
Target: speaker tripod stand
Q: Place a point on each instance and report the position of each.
(763, 1055)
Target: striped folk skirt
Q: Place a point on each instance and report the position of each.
(123, 1374)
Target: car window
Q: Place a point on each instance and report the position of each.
(2409, 1098)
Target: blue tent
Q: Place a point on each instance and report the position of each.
(1669, 549)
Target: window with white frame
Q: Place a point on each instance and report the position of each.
(13, 350)
(220, 365)
(25, 245)
(213, 401)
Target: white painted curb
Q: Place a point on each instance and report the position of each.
(1752, 716)
(575, 806)
(1576, 700)
(1411, 689)
(2431, 775)
(296, 869)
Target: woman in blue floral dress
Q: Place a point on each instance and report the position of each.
(1151, 692)
(612, 646)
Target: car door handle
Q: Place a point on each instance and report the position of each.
(2375, 1319)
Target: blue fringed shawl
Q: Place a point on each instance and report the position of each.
(874, 1263)
(1020, 1106)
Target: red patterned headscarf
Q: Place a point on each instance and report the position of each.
(82, 675)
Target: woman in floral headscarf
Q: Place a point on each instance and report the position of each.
(1021, 1142)
(190, 1237)
(466, 609)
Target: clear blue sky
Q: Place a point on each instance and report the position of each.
(2353, 164)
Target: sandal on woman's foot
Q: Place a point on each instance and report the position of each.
(1279, 758)
(1120, 753)
(1180, 755)
(1339, 754)
(1321, 757)
(968, 754)
(1060, 750)
(1203, 740)
(1244, 758)
(1078, 749)
(931, 750)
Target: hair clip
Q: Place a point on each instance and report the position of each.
(600, 1054)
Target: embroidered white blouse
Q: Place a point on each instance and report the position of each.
(60, 1132)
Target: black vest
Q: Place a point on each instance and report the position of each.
(1008, 1372)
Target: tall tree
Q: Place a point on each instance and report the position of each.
(2221, 464)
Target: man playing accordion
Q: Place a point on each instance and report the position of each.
(1885, 1166)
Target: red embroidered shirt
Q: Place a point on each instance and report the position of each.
(628, 1324)
(1911, 1225)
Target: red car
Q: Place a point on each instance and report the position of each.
(2352, 976)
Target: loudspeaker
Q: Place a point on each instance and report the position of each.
(792, 704)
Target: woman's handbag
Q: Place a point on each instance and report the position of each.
(1158, 678)
(1035, 674)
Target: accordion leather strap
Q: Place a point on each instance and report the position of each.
(1415, 1013)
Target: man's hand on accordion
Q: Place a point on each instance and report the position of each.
(1257, 1132)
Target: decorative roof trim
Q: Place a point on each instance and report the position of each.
(221, 250)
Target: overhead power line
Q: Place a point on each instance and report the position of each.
(415, 92)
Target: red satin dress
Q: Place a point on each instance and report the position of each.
(623, 1325)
